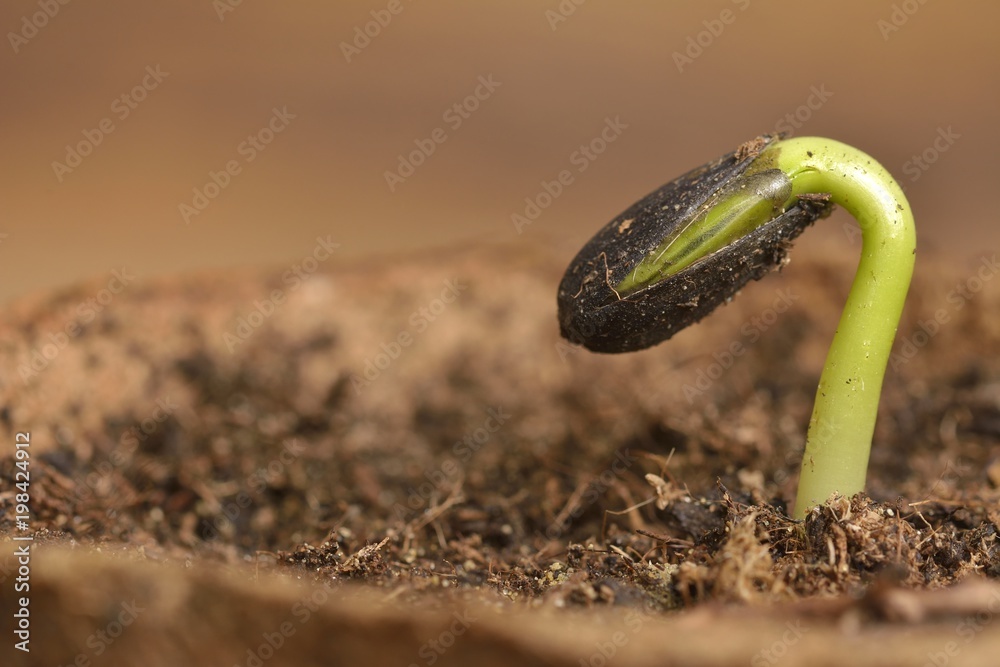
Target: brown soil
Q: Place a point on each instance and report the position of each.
(409, 439)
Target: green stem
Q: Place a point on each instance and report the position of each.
(843, 420)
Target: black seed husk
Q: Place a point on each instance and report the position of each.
(592, 314)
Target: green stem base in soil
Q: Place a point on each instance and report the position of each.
(839, 439)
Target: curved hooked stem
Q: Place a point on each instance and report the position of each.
(839, 439)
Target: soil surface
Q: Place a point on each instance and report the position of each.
(400, 462)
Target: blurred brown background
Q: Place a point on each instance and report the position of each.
(690, 80)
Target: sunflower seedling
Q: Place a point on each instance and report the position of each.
(674, 256)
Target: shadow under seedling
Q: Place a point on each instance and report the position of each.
(680, 252)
